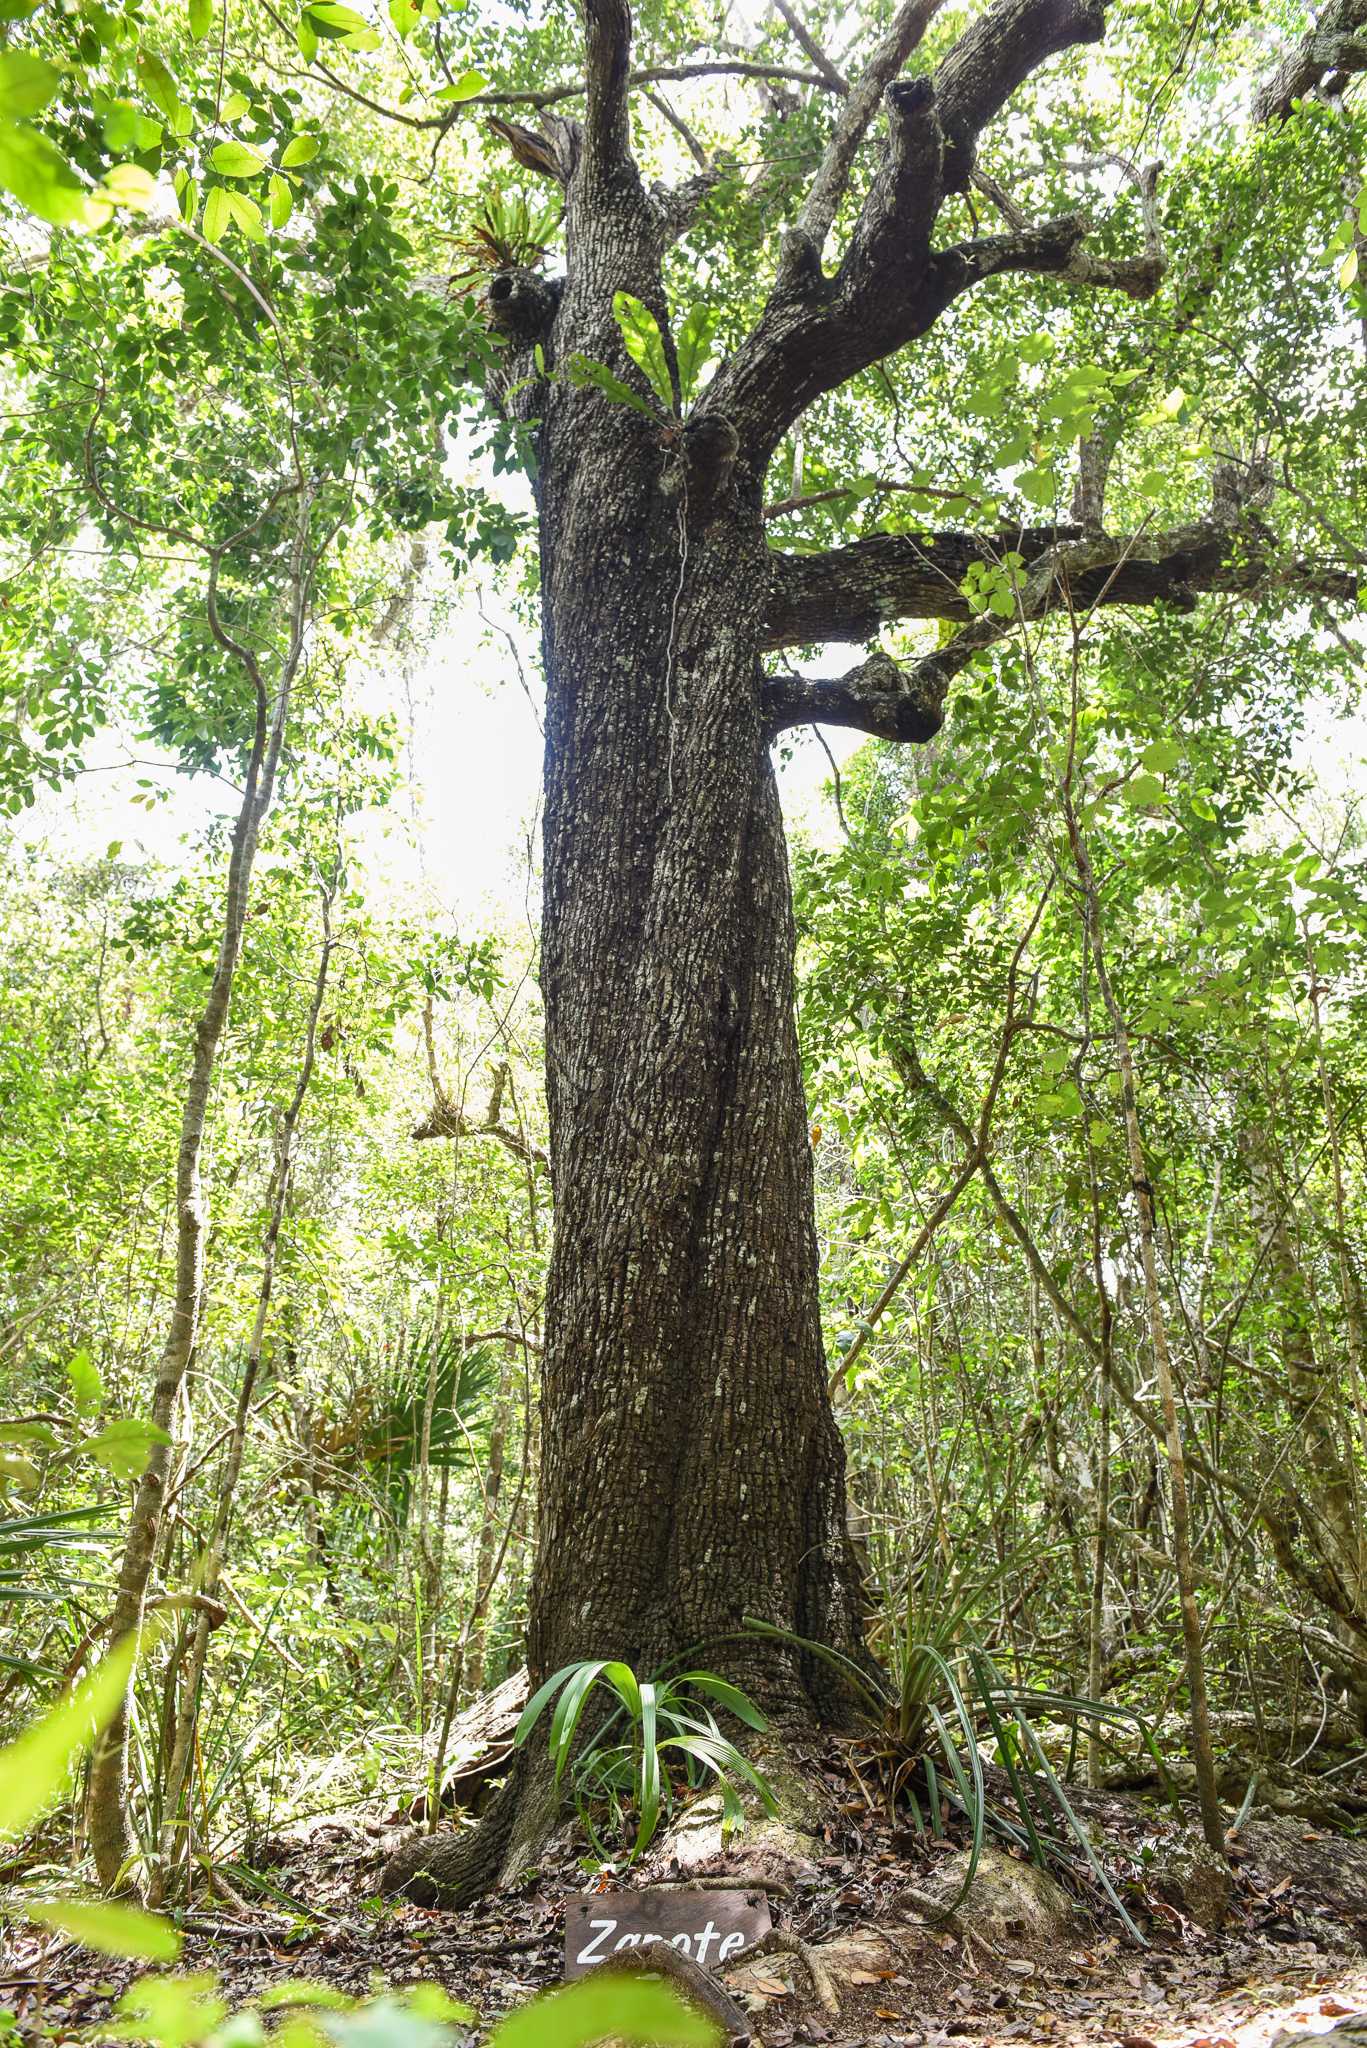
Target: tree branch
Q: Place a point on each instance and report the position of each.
(808, 43)
(607, 54)
(993, 57)
(877, 697)
(1337, 43)
(852, 122)
(848, 593)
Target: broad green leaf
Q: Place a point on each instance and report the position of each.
(234, 107)
(158, 83)
(307, 37)
(237, 160)
(124, 1445)
(625, 2008)
(1143, 790)
(466, 87)
(695, 347)
(282, 200)
(27, 83)
(34, 1769)
(1162, 756)
(124, 128)
(169, 2012)
(201, 15)
(246, 216)
(337, 23)
(189, 202)
(131, 186)
(405, 15)
(644, 344)
(40, 178)
(30, 1433)
(111, 1928)
(1348, 269)
(300, 149)
(1038, 486)
(583, 370)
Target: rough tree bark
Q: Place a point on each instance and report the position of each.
(692, 1473)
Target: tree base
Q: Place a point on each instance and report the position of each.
(454, 1870)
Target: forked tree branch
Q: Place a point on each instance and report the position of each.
(853, 121)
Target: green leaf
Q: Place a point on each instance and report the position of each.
(131, 186)
(27, 83)
(124, 128)
(170, 2012)
(405, 15)
(189, 201)
(234, 107)
(123, 1446)
(466, 87)
(34, 1769)
(599, 2006)
(282, 200)
(87, 1387)
(115, 1930)
(1038, 486)
(695, 347)
(1141, 791)
(300, 149)
(307, 37)
(158, 83)
(201, 18)
(583, 371)
(727, 1695)
(40, 178)
(246, 216)
(237, 160)
(1162, 756)
(337, 23)
(1348, 269)
(644, 344)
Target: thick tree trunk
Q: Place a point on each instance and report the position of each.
(692, 1473)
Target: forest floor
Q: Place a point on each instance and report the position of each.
(1291, 1952)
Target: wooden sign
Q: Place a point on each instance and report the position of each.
(714, 1928)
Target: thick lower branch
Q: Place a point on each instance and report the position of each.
(877, 697)
(849, 593)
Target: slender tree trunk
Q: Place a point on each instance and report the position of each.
(1212, 1823)
(111, 1837)
(211, 1560)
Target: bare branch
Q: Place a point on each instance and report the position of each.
(1336, 44)
(848, 593)
(607, 52)
(878, 697)
(852, 122)
(807, 42)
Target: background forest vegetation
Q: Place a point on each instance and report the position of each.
(1119, 895)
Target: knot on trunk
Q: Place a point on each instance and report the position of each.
(522, 304)
(701, 471)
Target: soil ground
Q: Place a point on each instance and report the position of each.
(1290, 1954)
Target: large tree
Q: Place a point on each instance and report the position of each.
(692, 1472)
